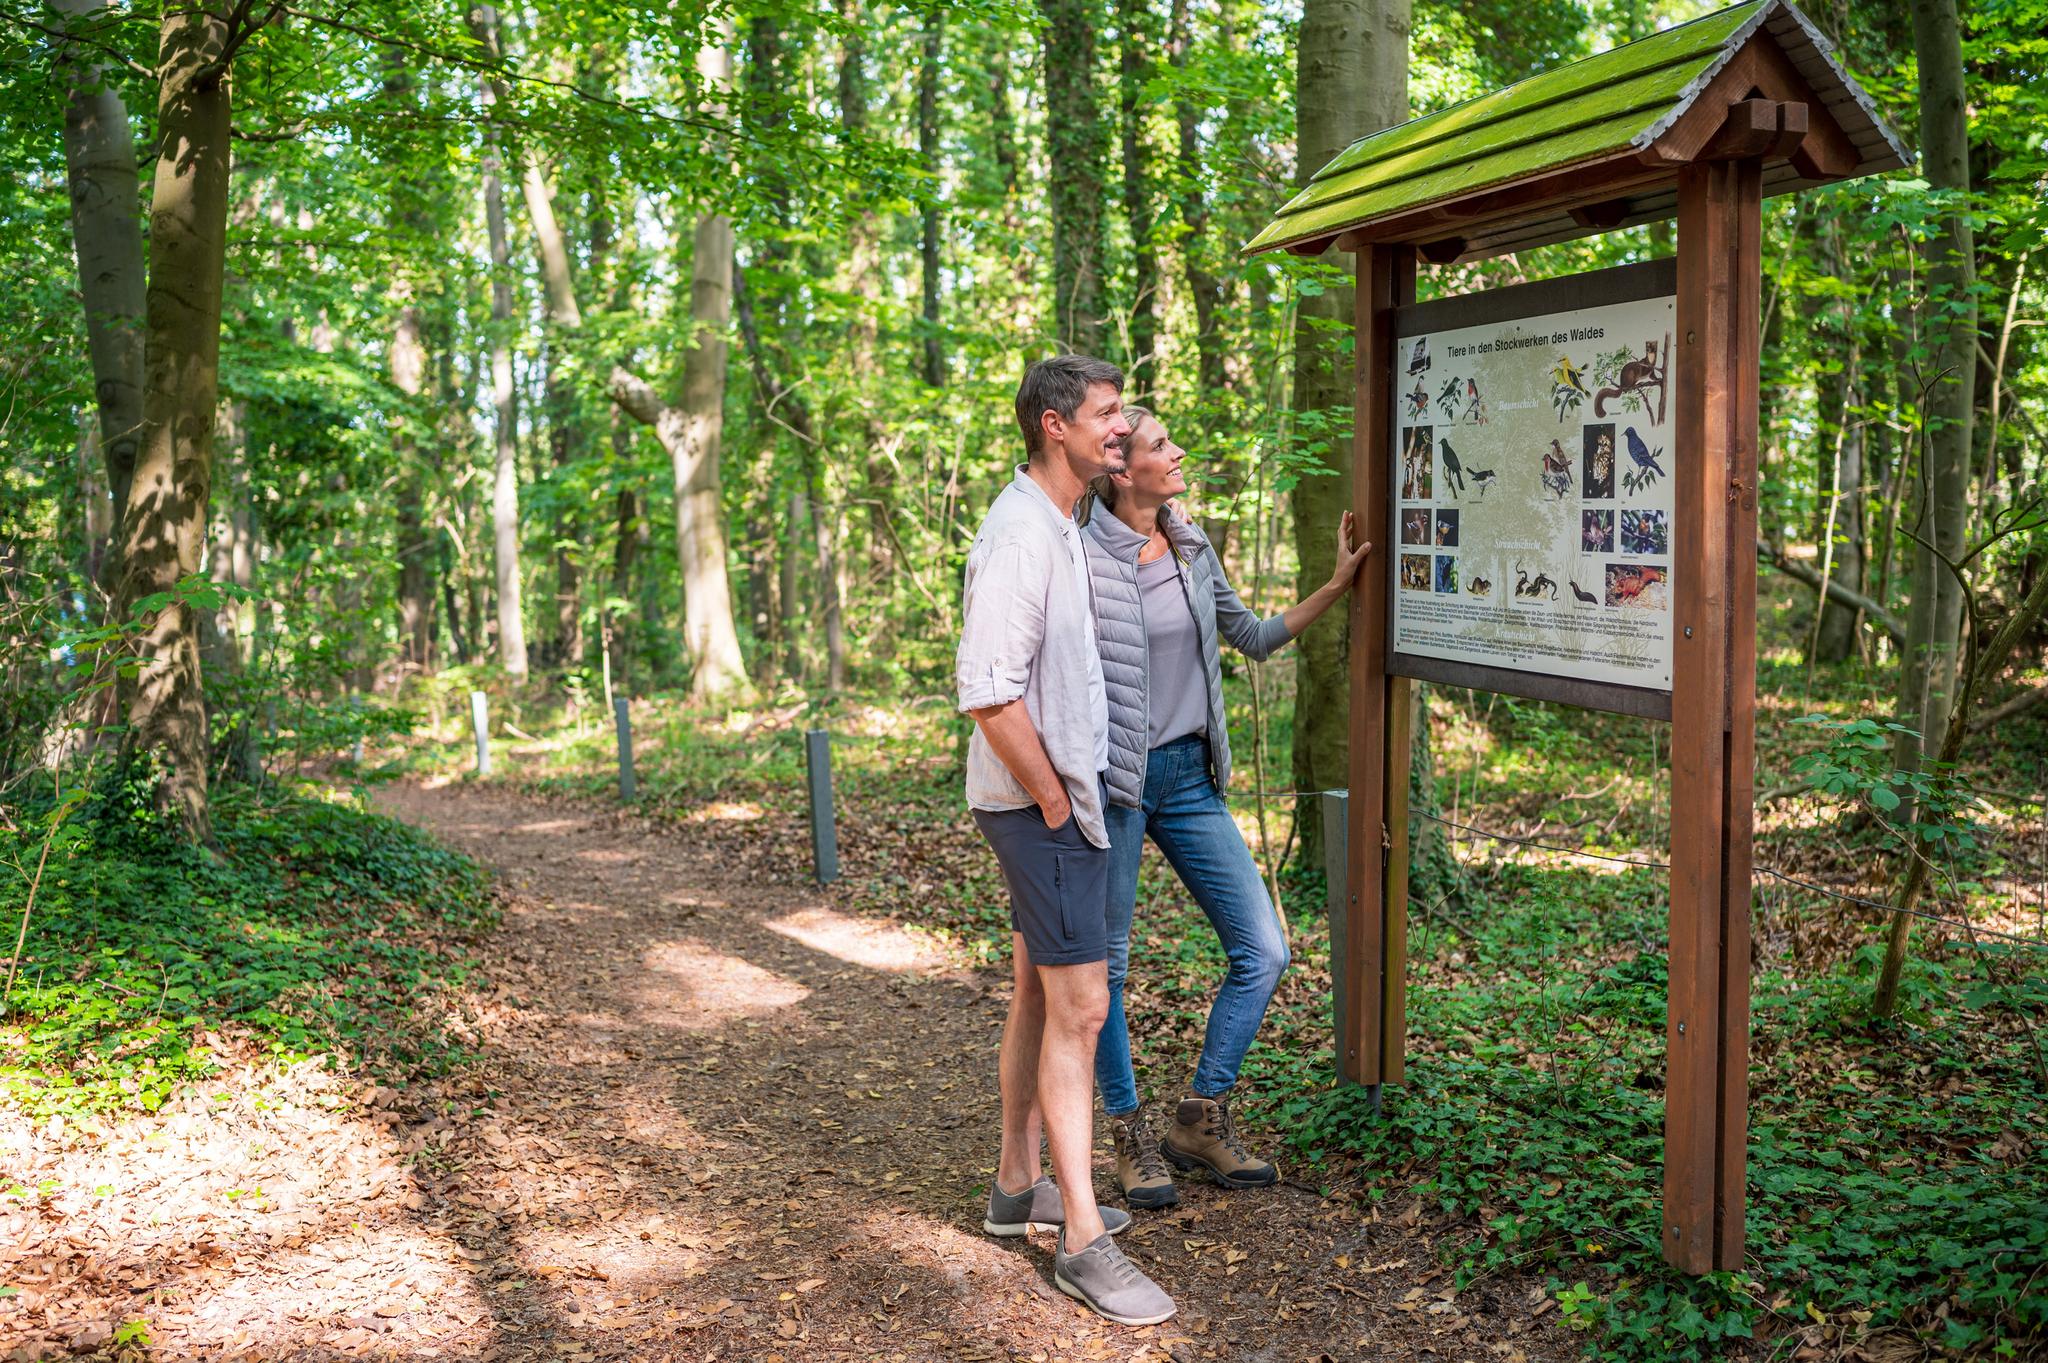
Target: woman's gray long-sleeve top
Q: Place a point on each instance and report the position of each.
(1113, 549)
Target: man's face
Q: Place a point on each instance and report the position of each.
(1094, 439)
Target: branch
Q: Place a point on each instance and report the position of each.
(2018, 705)
(65, 36)
(502, 71)
(1836, 592)
(635, 396)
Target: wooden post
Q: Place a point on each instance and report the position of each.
(824, 828)
(1368, 1037)
(1712, 713)
(622, 722)
(480, 721)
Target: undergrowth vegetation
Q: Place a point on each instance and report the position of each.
(314, 927)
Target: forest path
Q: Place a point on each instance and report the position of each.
(733, 1122)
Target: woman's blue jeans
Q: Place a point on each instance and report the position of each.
(1186, 817)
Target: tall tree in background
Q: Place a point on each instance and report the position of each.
(1840, 473)
(1204, 288)
(1351, 78)
(1076, 141)
(928, 202)
(1135, 64)
(504, 392)
(106, 231)
(1948, 330)
(163, 527)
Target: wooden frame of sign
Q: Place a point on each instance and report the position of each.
(1711, 705)
(1700, 121)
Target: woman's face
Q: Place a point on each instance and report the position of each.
(1154, 462)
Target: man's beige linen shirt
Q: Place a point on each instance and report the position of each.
(1028, 631)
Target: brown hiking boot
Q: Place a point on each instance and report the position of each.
(1202, 1133)
(1140, 1172)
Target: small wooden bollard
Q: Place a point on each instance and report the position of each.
(480, 720)
(824, 835)
(355, 751)
(623, 721)
(1336, 863)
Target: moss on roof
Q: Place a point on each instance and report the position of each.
(1581, 112)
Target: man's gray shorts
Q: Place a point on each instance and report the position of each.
(1059, 885)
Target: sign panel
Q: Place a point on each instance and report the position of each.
(1533, 494)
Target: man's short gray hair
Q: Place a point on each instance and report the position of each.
(1061, 385)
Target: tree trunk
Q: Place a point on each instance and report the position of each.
(1948, 325)
(1351, 78)
(1846, 551)
(415, 592)
(106, 231)
(692, 432)
(505, 397)
(928, 203)
(814, 510)
(565, 444)
(163, 528)
(1135, 66)
(1075, 138)
(863, 282)
(1203, 286)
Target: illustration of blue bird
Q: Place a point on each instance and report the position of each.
(1640, 452)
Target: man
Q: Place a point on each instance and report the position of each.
(1028, 674)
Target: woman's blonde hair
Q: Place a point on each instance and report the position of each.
(1102, 484)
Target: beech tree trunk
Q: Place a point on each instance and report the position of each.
(106, 231)
(1948, 326)
(1351, 78)
(928, 206)
(863, 282)
(1076, 143)
(505, 404)
(415, 590)
(1135, 64)
(1203, 286)
(163, 526)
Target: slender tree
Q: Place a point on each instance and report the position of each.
(1135, 70)
(1948, 327)
(106, 230)
(928, 202)
(1351, 78)
(1076, 141)
(504, 392)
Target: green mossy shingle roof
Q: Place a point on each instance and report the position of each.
(1586, 111)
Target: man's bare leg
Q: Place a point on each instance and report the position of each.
(1018, 1167)
(1075, 1000)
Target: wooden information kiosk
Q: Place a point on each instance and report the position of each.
(1596, 433)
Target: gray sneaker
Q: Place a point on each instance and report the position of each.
(1038, 1207)
(1107, 1283)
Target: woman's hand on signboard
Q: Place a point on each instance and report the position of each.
(1349, 560)
(1304, 612)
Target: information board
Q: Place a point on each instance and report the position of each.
(1533, 496)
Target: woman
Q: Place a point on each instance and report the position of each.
(1161, 602)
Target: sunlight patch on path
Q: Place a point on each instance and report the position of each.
(857, 941)
(695, 987)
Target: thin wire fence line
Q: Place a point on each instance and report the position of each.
(1960, 924)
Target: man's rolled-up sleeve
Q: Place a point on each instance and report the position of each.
(1003, 625)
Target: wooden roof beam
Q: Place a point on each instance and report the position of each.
(1757, 128)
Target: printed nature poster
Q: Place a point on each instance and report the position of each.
(1534, 460)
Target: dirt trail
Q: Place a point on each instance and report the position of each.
(733, 1122)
